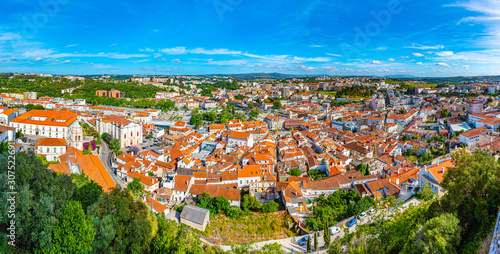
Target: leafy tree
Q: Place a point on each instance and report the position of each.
(136, 187)
(315, 240)
(277, 104)
(364, 169)
(207, 202)
(105, 136)
(73, 233)
(19, 134)
(233, 212)
(472, 192)
(114, 145)
(250, 203)
(270, 207)
(308, 244)
(4, 147)
(327, 236)
(272, 248)
(221, 203)
(438, 235)
(122, 223)
(295, 172)
(171, 238)
(87, 194)
(41, 198)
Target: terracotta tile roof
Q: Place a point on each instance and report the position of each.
(181, 183)
(249, 171)
(50, 142)
(437, 170)
(239, 135)
(146, 180)
(475, 132)
(92, 166)
(157, 206)
(50, 118)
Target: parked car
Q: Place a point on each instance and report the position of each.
(371, 211)
(334, 230)
(361, 216)
(303, 240)
(351, 222)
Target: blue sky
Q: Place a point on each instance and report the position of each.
(335, 37)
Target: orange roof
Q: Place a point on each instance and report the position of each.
(157, 206)
(146, 180)
(47, 117)
(181, 183)
(239, 135)
(437, 170)
(9, 111)
(249, 171)
(92, 166)
(50, 142)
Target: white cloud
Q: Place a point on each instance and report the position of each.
(176, 60)
(312, 59)
(139, 61)
(419, 46)
(330, 54)
(72, 45)
(113, 45)
(381, 48)
(38, 59)
(174, 51)
(376, 62)
(147, 50)
(67, 61)
(228, 62)
(444, 53)
(418, 54)
(466, 66)
(419, 63)
(391, 59)
(214, 51)
(316, 46)
(157, 55)
(442, 64)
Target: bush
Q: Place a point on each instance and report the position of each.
(270, 207)
(295, 172)
(233, 212)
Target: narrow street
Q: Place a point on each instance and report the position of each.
(105, 156)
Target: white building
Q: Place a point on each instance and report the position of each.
(472, 137)
(52, 148)
(128, 132)
(51, 124)
(7, 115)
(240, 138)
(7, 133)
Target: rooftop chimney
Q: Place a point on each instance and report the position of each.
(442, 170)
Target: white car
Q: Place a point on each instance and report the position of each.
(361, 216)
(334, 230)
(371, 211)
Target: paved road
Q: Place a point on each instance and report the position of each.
(106, 156)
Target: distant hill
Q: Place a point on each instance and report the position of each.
(256, 76)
